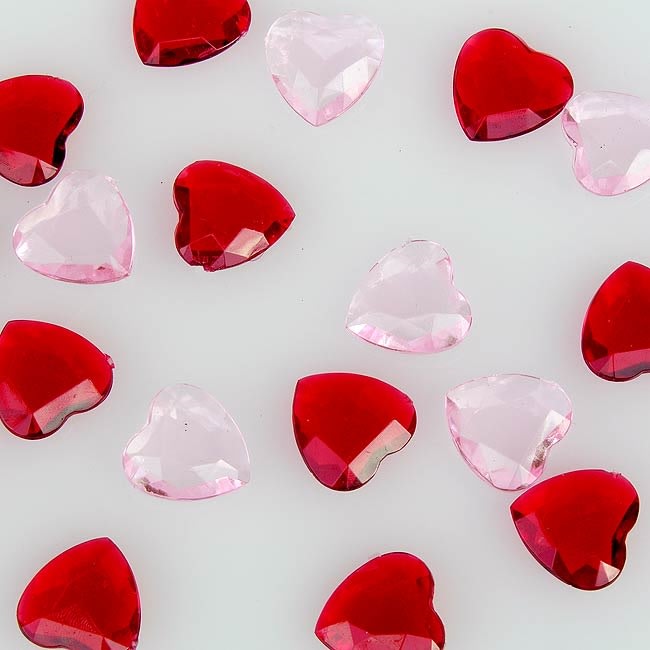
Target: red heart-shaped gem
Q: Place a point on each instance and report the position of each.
(386, 604)
(346, 424)
(179, 32)
(503, 88)
(575, 525)
(84, 598)
(227, 215)
(37, 114)
(47, 374)
(616, 329)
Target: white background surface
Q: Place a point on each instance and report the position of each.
(530, 246)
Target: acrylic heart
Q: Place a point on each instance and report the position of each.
(227, 215)
(86, 598)
(505, 425)
(37, 114)
(575, 525)
(179, 32)
(190, 448)
(386, 604)
(346, 424)
(503, 88)
(616, 329)
(47, 374)
(408, 302)
(611, 136)
(323, 65)
(83, 233)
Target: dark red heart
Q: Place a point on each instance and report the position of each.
(616, 329)
(47, 374)
(227, 215)
(179, 32)
(385, 604)
(37, 114)
(346, 424)
(84, 598)
(575, 525)
(503, 88)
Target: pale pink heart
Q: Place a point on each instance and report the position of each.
(83, 233)
(408, 302)
(504, 426)
(323, 65)
(190, 448)
(611, 136)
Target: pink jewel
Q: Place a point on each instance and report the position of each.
(505, 425)
(190, 448)
(83, 233)
(611, 136)
(409, 303)
(322, 65)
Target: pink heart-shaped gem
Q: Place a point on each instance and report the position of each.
(83, 233)
(408, 302)
(323, 65)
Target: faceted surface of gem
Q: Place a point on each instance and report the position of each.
(83, 233)
(408, 302)
(84, 599)
(575, 525)
(227, 215)
(47, 374)
(346, 424)
(323, 65)
(386, 604)
(611, 136)
(505, 425)
(179, 32)
(616, 329)
(190, 448)
(503, 89)
(37, 114)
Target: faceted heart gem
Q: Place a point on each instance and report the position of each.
(190, 448)
(503, 88)
(37, 114)
(408, 302)
(346, 424)
(47, 374)
(322, 66)
(616, 330)
(83, 233)
(575, 525)
(386, 604)
(611, 136)
(227, 215)
(84, 599)
(179, 32)
(505, 425)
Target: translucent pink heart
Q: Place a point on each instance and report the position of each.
(323, 65)
(408, 302)
(611, 136)
(83, 233)
(190, 448)
(505, 425)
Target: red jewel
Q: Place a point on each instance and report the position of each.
(346, 424)
(575, 525)
(502, 88)
(178, 32)
(84, 598)
(385, 604)
(37, 114)
(616, 330)
(48, 373)
(227, 215)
